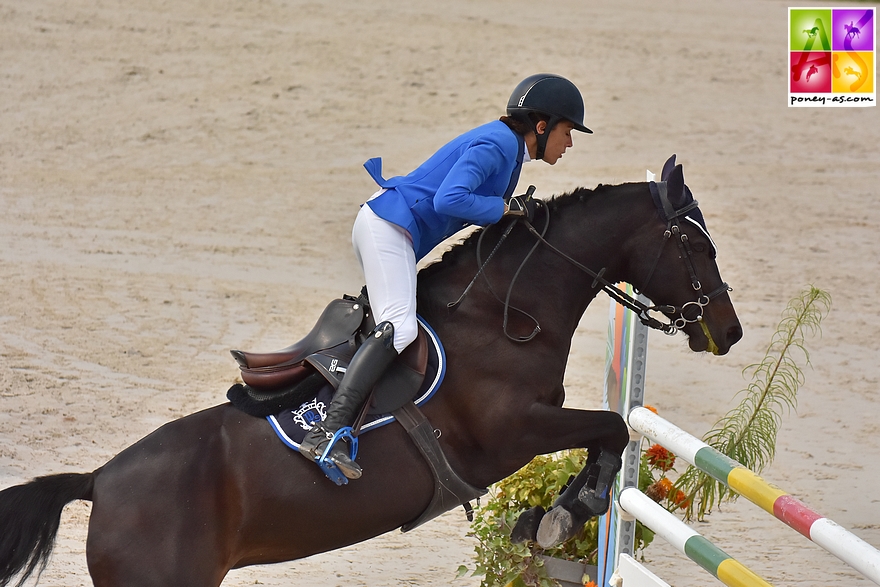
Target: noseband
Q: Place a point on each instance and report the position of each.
(640, 309)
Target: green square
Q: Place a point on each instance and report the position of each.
(810, 29)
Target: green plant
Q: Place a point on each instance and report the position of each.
(497, 560)
(747, 433)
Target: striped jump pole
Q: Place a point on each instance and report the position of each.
(688, 541)
(834, 538)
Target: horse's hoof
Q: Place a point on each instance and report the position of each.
(526, 528)
(556, 527)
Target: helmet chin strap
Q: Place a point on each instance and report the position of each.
(542, 138)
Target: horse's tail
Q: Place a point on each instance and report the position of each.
(29, 517)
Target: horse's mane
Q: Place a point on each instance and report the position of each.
(467, 246)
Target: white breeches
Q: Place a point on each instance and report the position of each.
(386, 255)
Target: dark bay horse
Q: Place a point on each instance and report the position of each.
(216, 490)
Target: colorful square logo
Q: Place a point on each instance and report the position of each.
(831, 56)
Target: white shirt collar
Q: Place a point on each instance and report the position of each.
(526, 156)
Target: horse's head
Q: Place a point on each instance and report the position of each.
(673, 263)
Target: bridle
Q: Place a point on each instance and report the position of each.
(642, 310)
(672, 216)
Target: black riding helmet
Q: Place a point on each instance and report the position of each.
(551, 95)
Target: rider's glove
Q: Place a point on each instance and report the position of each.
(523, 205)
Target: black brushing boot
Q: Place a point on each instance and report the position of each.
(587, 496)
(367, 366)
(596, 494)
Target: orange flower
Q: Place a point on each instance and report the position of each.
(660, 458)
(680, 500)
(590, 584)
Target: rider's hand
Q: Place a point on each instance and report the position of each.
(523, 205)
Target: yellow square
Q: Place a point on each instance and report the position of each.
(852, 72)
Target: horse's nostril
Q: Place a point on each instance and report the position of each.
(734, 333)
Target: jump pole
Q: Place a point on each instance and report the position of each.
(687, 541)
(846, 546)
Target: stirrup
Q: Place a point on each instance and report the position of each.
(326, 463)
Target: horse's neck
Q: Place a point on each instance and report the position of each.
(597, 228)
(590, 226)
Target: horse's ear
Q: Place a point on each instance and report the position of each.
(675, 187)
(667, 168)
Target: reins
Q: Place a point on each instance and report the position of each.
(640, 309)
(506, 301)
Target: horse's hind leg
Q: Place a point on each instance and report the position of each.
(149, 548)
(163, 512)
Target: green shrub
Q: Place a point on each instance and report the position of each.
(500, 562)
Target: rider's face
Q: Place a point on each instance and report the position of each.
(558, 141)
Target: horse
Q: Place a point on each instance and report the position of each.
(216, 490)
(851, 71)
(851, 30)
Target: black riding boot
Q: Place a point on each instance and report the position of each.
(589, 495)
(366, 367)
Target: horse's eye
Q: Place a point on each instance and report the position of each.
(699, 247)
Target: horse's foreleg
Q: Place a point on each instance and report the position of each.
(605, 435)
(550, 429)
(589, 495)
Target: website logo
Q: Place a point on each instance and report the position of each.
(831, 57)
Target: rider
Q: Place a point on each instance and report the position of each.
(468, 181)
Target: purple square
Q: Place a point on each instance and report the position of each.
(852, 29)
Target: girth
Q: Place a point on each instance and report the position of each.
(450, 490)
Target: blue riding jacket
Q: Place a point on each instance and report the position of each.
(466, 182)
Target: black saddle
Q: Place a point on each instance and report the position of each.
(324, 355)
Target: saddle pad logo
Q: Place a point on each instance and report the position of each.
(831, 57)
(309, 413)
